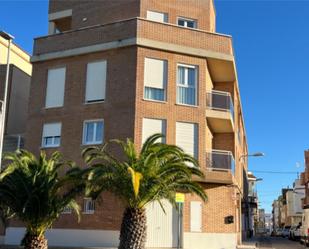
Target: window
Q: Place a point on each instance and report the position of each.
(89, 206)
(195, 216)
(96, 81)
(187, 137)
(188, 23)
(67, 210)
(157, 16)
(55, 87)
(186, 85)
(93, 132)
(153, 126)
(51, 135)
(155, 79)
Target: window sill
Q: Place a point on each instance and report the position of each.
(92, 212)
(49, 147)
(91, 144)
(194, 106)
(51, 108)
(94, 102)
(156, 101)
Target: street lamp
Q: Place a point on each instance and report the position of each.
(256, 154)
(9, 38)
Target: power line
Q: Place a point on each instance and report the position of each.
(275, 172)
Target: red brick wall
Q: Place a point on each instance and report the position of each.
(222, 202)
(118, 112)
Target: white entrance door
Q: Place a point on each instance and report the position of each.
(161, 227)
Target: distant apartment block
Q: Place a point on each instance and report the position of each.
(18, 98)
(18, 93)
(128, 69)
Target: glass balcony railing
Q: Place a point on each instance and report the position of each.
(220, 160)
(220, 101)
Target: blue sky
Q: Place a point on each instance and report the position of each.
(271, 40)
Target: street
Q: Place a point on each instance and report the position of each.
(279, 243)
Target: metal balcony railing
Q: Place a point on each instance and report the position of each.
(220, 160)
(220, 101)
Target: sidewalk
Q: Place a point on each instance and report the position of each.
(249, 244)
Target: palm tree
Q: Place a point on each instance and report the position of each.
(38, 190)
(154, 174)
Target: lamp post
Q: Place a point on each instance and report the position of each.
(9, 38)
(256, 154)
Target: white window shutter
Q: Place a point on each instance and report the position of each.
(55, 87)
(52, 130)
(155, 73)
(195, 216)
(187, 137)
(157, 16)
(153, 126)
(96, 81)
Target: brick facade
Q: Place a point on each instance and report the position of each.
(125, 107)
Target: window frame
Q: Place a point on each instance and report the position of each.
(94, 133)
(67, 210)
(53, 145)
(64, 86)
(186, 20)
(85, 206)
(85, 87)
(164, 84)
(164, 128)
(196, 67)
(165, 15)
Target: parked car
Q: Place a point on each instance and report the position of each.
(291, 233)
(296, 233)
(286, 231)
(279, 232)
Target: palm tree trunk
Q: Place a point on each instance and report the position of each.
(133, 229)
(35, 242)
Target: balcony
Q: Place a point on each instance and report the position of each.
(217, 48)
(220, 112)
(220, 167)
(220, 160)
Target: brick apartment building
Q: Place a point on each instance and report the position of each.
(128, 69)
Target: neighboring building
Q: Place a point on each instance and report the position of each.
(18, 93)
(252, 203)
(18, 97)
(268, 223)
(276, 213)
(128, 69)
(287, 209)
(304, 181)
(261, 221)
(294, 203)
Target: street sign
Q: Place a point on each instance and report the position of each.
(180, 198)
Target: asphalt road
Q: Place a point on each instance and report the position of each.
(279, 243)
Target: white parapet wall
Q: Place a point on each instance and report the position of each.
(210, 240)
(68, 237)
